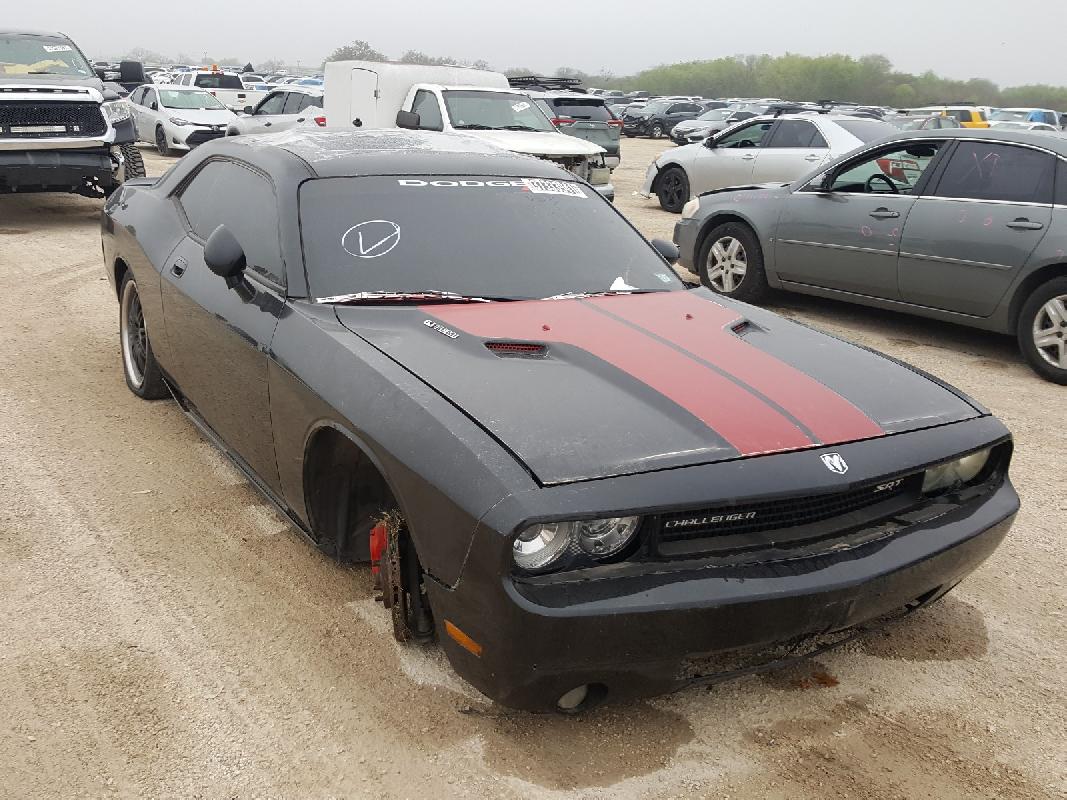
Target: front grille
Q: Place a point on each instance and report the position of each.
(199, 137)
(43, 120)
(787, 522)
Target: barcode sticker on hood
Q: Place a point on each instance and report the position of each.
(544, 186)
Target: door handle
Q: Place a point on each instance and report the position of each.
(884, 213)
(177, 269)
(1023, 224)
(748, 158)
(813, 157)
(300, 119)
(267, 124)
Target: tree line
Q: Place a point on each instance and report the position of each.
(867, 79)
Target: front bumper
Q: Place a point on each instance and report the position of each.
(686, 233)
(606, 190)
(55, 170)
(635, 634)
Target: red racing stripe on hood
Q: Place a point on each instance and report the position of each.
(702, 327)
(741, 417)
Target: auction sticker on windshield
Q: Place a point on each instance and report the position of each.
(545, 186)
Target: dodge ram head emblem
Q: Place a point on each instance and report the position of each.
(835, 463)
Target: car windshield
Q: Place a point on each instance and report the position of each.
(1008, 116)
(867, 130)
(474, 109)
(175, 98)
(41, 55)
(715, 115)
(581, 108)
(513, 238)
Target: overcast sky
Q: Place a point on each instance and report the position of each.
(1008, 42)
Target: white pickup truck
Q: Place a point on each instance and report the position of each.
(479, 103)
(227, 87)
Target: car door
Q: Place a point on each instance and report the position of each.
(967, 239)
(842, 230)
(220, 335)
(151, 115)
(728, 159)
(267, 114)
(137, 97)
(792, 149)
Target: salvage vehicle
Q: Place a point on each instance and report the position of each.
(280, 110)
(766, 148)
(481, 103)
(178, 117)
(1042, 115)
(62, 127)
(656, 119)
(921, 122)
(226, 86)
(692, 131)
(969, 116)
(585, 117)
(965, 226)
(575, 474)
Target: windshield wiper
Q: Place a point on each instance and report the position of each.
(518, 128)
(428, 296)
(473, 126)
(605, 293)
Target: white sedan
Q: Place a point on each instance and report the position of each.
(178, 118)
(761, 150)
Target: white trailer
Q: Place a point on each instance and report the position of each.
(480, 103)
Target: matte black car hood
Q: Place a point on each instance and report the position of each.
(582, 389)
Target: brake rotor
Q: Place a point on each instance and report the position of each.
(389, 577)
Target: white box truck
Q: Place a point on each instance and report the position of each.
(368, 94)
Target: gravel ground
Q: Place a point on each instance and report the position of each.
(163, 632)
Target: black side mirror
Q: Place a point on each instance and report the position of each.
(668, 250)
(224, 255)
(154, 106)
(408, 119)
(825, 183)
(101, 73)
(710, 142)
(249, 110)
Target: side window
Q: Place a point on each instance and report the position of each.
(138, 95)
(226, 193)
(310, 101)
(894, 171)
(692, 108)
(746, 136)
(429, 111)
(292, 102)
(1061, 182)
(150, 96)
(273, 104)
(677, 108)
(986, 171)
(793, 133)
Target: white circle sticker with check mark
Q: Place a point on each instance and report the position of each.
(371, 239)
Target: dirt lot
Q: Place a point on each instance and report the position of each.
(163, 632)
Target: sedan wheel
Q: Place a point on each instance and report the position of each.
(672, 189)
(143, 374)
(727, 265)
(730, 262)
(1042, 330)
(657, 131)
(161, 141)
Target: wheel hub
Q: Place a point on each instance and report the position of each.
(1049, 330)
(727, 264)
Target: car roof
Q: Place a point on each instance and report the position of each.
(26, 32)
(293, 87)
(1043, 141)
(392, 151)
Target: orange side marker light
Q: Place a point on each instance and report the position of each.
(462, 639)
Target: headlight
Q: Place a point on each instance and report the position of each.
(954, 473)
(116, 111)
(548, 544)
(179, 122)
(690, 209)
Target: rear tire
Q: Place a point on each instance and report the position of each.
(672, 189)
(134, 161)
(1042, 330)
(656, 132)
(730, 262)
(161, 141)
(139, 365)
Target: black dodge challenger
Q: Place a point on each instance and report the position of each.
(583, 479)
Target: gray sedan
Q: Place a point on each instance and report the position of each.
(967, 226)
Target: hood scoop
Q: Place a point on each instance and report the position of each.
(517, 349)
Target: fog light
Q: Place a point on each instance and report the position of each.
(574, 698)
